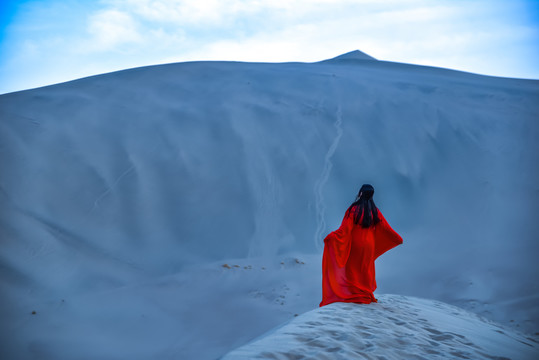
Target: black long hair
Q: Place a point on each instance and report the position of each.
(364, 207)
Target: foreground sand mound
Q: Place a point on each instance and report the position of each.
(397, 327)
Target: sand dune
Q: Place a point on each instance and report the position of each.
(397, 327)
(121, 196)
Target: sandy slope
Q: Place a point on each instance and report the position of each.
(397, 327)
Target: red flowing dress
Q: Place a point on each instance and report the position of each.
(348, 262)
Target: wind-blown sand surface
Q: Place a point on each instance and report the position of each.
(397, 327)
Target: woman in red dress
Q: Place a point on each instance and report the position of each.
(349, 252)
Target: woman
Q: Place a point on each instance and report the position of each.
(349, 252)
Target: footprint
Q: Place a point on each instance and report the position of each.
(461, 354)
(487, 356)
(269, 355)
(433, 331)
(361, 327)
(431, 352)
(443, 337)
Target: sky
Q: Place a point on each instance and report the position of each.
(44, 42)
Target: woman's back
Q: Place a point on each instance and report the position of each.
(348, 272)
(360, 263)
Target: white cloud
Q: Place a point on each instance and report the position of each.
(183, 11)
(111, 28)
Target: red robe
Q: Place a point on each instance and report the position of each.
(348, 262)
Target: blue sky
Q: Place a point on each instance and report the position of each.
(49, 41)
